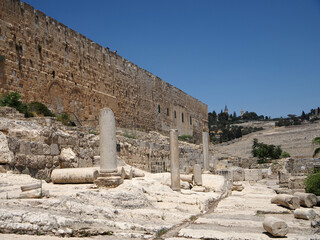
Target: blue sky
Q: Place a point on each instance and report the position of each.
(259, 55)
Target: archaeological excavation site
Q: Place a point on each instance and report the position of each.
(114, 152)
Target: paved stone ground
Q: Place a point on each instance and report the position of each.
(240, 216)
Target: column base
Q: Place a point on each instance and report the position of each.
(110, 180)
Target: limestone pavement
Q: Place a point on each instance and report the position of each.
(240, 216)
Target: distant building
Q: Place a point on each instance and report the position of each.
(226, 110)
(241, 112)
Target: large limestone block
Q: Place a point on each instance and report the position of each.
(214, 183)
(252, 174)
(68, 158)
(297, 182)
(6, 156)
(286, 200)
(74, 175)
(226, 173)
(275, 226)
(303, 213)
(306, 199)
(238, 174)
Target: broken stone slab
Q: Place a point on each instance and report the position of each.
(303, 213)
(108, 180)
(184, 185)
(286, 200)
(137, 173)
(74, 175)
(187, 178)
(198, 189)
(307, 199)
(36, 193)
(125, 173)
(275, 226)
(30, 187)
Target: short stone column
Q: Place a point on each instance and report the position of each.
(197, 174)
(205, 147)
(109, 176)
(174, 160)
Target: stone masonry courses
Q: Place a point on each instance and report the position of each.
(48, 62)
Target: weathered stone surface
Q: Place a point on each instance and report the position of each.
(187, 178)
(275, 226)
(174, 160)
(74, 175)
(286, 200)
(108, 155)
(306, 199)
(68, 78)
(307, 214)
(68, 158)
(237, 174)
(6, 156)
(54, 149)
(205, 147)
(30, 187)
(297, 182)
(197, 173)
(36, 193)
(252, 174)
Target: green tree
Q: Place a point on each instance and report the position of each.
(313, 183)
(12, 99)
(265, 152)
(316, 141)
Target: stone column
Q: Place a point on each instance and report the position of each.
(205, 147)
(197, 174)
(109, 176)
(174, 160)
(108, 145)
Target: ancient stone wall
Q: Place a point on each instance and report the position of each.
(39, 145)
(48, 62)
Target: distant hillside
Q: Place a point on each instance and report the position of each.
(296, 140)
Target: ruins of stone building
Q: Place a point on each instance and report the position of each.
(48, 62)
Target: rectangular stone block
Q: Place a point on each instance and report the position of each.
(54, 149)
(238, 174)
(227, 173)
(252, 174)
(297, 183)
(25, 148)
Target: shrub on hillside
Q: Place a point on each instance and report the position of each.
(265, 152)
(313, 183)
(40, 109)
(65, 119)
(12, 99)
(185, 138)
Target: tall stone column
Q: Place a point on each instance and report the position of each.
(174, 160)
(205, 146)
(108, 144)
(109, 176)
